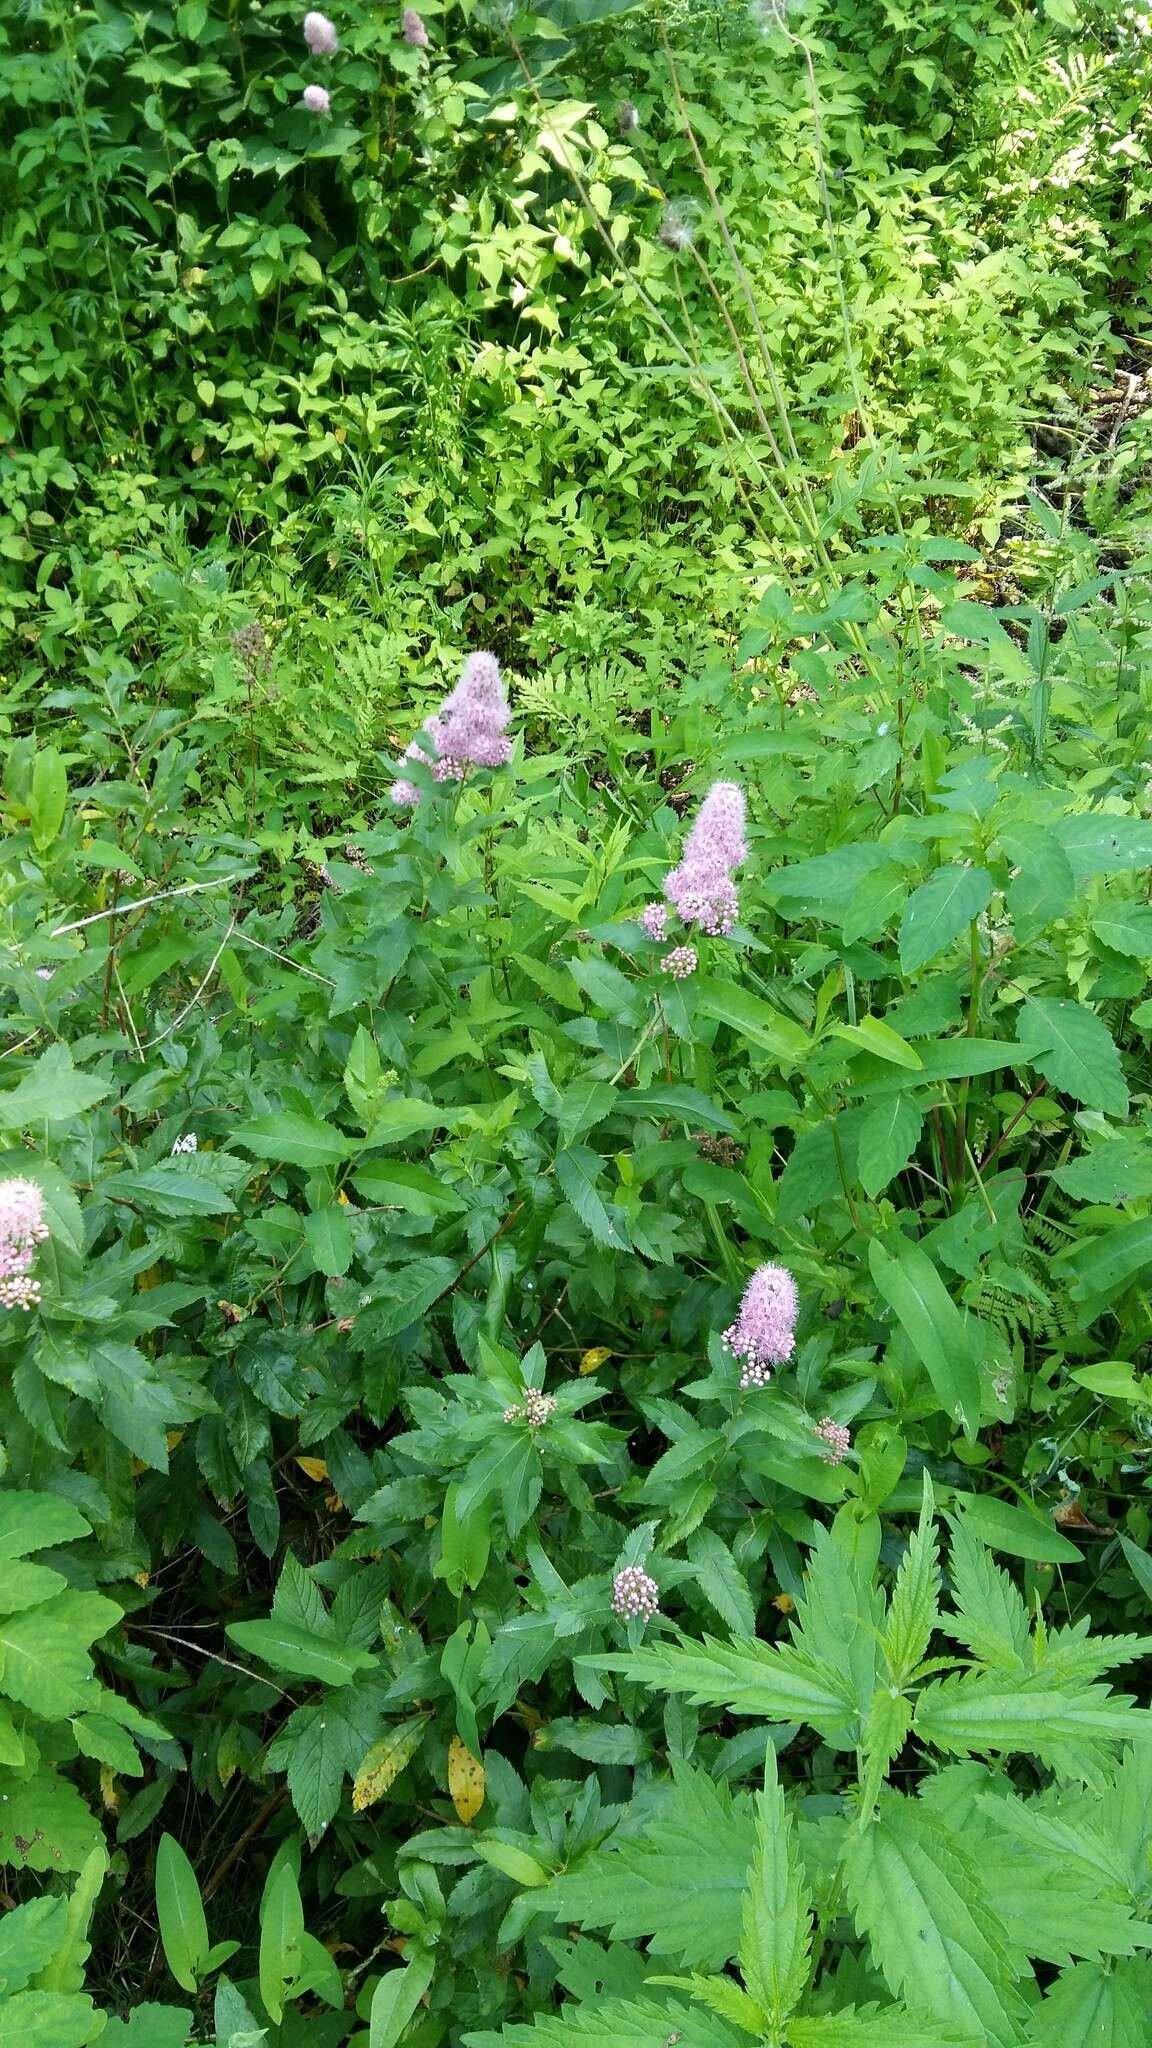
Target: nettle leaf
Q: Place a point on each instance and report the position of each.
(990, 1616)
(51, 1092)
(617, 2023)
(679, 1884)
(876, 2026)
(578, 1171)
(1118, 1170)
(1045, 887)
(916, 1895)
(722, 1582)
(1026, 1713)
(913, 1607)
(771, 1681)
(1093, 2007)
(777, 1917)
(938, 911)
(1126, 928)
(1074, 1049)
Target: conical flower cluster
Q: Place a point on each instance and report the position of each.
(469, 730)
(701, 889)
(763, 1334)
(22, 1228)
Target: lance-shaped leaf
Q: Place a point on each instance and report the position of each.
(777, 1921)
(934, 1326)
(774, 1681)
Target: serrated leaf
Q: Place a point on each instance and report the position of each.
(1126, 928)
(48, 2019)
(913, 1606)
(616, 2023)
(889, 1136)
(1119, 1170)
(1073, 1048)
(577, 1171)
(777, 1916)
(722, 1582)
(916, 1896)
(1027, 1714)
(316, 1765)
(774, 1682)
(879, 2027)
(46, 1665)
(680, 1885)
(395, 1184)
(288, 1648)
(328, 1236)
(385, 1761)
(395, 2000)
(305, 1141)
(938, 911)
(50, 1093)
(1093, 2007)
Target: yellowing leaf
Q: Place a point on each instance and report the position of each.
(594, 1359)
(109, 1790)
(465, 1781)
(173, 1437)
(385, 1761)
(313, 1468)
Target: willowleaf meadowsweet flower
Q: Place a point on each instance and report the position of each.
(635, 1596)
(836, 1438)
(763, 1334)
(701, 887)
(320, 34)
(22, 1228)
(655, 921)
(414, 30)
(680, 962)
(537, 1409)
(469, 730)
(316, 99)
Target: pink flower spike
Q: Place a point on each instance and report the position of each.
(763, 1334)
(836, 1438)
(316, 99)
(22, 1229)
(654, 920)
(414, 31)
(701, 888)
(320, 35)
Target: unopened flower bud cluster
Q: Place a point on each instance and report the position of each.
(536, 1409)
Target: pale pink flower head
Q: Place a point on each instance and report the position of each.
(680, 962)
(316, 99)
(22, 1228)
(635, 1597)
(320, 35)
(701, 888)
(413, 30)
(763, 1334)
(469, 730)
(836, 1438)
(654, 920)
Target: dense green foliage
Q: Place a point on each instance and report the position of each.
(768, 393)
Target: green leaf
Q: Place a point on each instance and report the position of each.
(876, 2026)
(1073, 1048)
(674, 1099)
(722, 1582)
(753, 1019)
(402, 1296)
(1118, 1170)
(289, 1648)
(938, 911)
(916, 1896)
(1015, 1530)
(97, 1735)
(679, 1885)
(991, 1711)
(46, 1665)
(395, 2000)
(1093, 2006)
(328, 1235)
(1045, 888)
(913, 1608)
(34, 1521)
(47, 797)
(1140, 1564)
(402, 1116)
(777, 1916)
(873, 1035)
(305, 1141)
(889, 1136)
(616, 2023)
(1126, 928)
(577, 1171)
(48, 2019)
(316, 1765)
(180, 1913)
(937, 1331)
(50, 1093)
(773, 1682)
(394, 1184)
(171, 1188)
(281, 1938)
(29, 1938)
(1104, 1266)
(45, 1824)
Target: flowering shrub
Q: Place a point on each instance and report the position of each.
(465, 1385)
